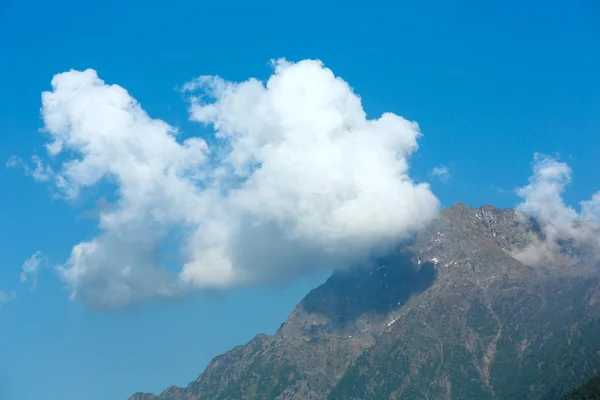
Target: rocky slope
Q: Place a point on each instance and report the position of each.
(452, 315)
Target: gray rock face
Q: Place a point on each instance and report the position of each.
(452, 315)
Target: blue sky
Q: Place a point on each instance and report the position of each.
(489, 85)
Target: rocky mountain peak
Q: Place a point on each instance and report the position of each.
(450, 315)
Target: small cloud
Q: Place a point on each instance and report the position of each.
(442, 173)
(6, 297)
(13, 162)
(498, 190)
(38, 171)
(559, 222)
(30, 268)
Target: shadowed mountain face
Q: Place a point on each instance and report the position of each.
(452, 315)
(588, 391)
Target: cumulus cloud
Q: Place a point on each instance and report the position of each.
(442, 173)
(296, 178)
(6, 297)
(559, 222)
(30, 267)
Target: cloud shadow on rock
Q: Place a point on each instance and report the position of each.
(348, 294)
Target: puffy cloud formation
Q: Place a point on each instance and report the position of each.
(543, 199)
(296, 178)
(30, 268)
(442, 173)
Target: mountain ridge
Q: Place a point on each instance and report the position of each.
(453, 293)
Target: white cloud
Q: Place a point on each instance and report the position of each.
(30, 267)
(6, 297)
(590, 209)
(442, 173)
(298, 178)
(39, 171)
(543, 199)
(13, 162)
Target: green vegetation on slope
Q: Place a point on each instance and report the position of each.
(588, 391)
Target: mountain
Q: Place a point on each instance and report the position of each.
(450, 315)
(589, 391)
